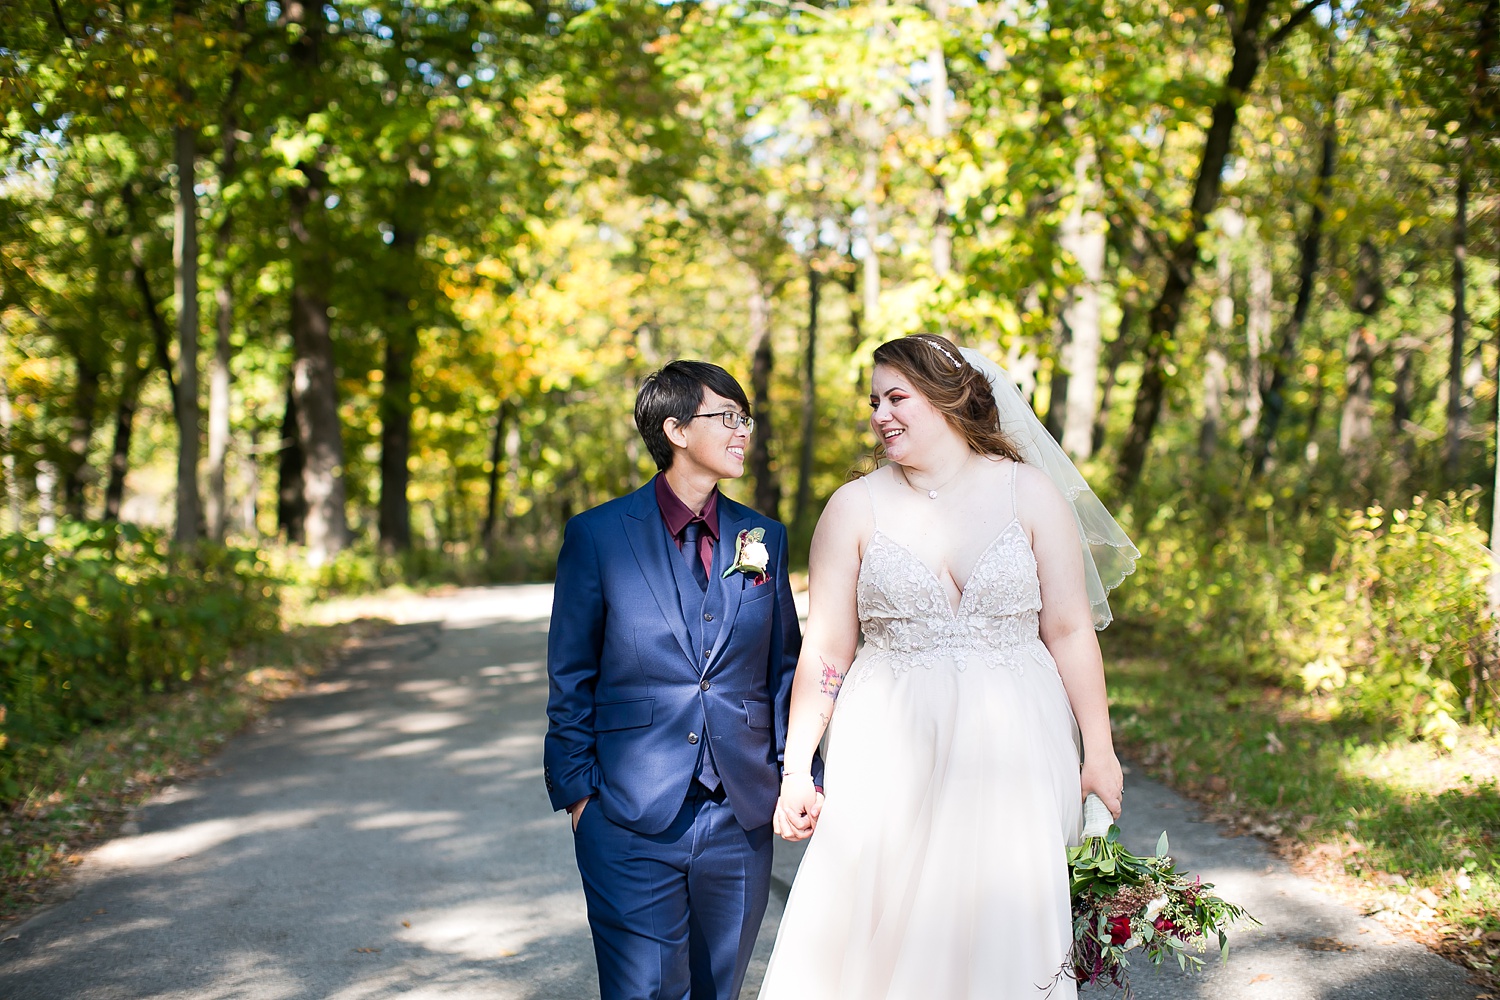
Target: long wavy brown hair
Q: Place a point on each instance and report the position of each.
(959, 390)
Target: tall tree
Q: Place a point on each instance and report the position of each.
(807, 450)
(314, 383)
(185, 268)
(1309, 250)
(1252, 41)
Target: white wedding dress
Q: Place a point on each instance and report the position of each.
(938, 867)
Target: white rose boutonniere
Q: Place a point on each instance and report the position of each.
(750, 555)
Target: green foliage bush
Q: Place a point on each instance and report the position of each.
(1376, 614)
(96, 617)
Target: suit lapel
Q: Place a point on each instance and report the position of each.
(732, 520)
(643, 528)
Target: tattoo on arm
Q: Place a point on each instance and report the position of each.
(832, 680)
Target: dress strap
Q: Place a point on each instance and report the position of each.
(1015, 469)
(874, 514)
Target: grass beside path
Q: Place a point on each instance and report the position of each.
(81, 792)
(1408, 832)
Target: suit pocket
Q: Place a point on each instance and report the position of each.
(610, 715)
(758, 714)
(761, 593)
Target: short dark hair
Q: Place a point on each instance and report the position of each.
(677, 391)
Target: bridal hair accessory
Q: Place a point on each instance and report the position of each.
(1108, 554)
(945, 352)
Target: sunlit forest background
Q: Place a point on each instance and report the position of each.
(362, 291)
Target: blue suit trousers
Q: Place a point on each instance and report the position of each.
(674, 914)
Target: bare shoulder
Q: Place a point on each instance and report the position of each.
(848, 507)
(1040, 503)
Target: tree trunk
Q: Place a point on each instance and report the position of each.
(1309, 251)
(856, 334)
(1215, 385)
(1484, 668)
(937, 131)
(1215, 364)
(1057, 384)
(1182, 259)
(492, 507)
(803, 503)
(76, 474)
(185, 263)
(1356, 423)
(314, 381)
(869, 185)
(767, 485)
(1402, 394)
(314, 376)
(8, 481)
(1314, 417)
(1131, 248)
(132, 374)
(1084, 237)
(395, 399)
(1457, 418)
(291, 505)
(1114, 357)
(217, 507)
(1260, 302)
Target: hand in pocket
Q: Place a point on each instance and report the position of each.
(576, 810)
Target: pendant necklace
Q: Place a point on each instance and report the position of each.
(932, 494)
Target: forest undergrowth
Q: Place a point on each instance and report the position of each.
(124, 665)
(1325, 678)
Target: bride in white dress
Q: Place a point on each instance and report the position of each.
(953, 778)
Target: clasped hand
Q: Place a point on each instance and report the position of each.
(797, 810)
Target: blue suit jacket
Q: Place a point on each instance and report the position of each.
(628, 701)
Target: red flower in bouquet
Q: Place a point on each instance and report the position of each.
(1123, 904)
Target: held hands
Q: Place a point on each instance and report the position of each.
(1103, 776)
(798, 808)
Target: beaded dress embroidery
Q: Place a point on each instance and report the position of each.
(938, 866)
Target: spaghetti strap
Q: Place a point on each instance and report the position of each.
(1015, 470)
(874, 514)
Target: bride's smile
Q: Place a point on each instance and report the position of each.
(913, 432)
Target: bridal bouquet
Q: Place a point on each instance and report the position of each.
(1122, 903)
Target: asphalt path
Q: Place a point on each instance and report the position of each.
(386, 833)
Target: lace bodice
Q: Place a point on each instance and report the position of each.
(905, 614)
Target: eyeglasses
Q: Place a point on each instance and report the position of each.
(732, 419)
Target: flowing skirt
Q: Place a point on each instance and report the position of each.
(938, 868)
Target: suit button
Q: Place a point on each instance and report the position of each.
(692, 737)
(704, 686)
(705, 654)
(708, 618)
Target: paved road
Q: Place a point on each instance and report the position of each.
(385, 833)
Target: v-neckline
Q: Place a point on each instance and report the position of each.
(963, 592)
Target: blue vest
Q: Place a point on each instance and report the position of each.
(703, 613)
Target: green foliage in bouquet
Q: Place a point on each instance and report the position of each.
(98, 616)
(1123, 903)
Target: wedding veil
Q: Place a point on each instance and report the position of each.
(1108, 555)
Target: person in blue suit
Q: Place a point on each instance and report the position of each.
(670, 659)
